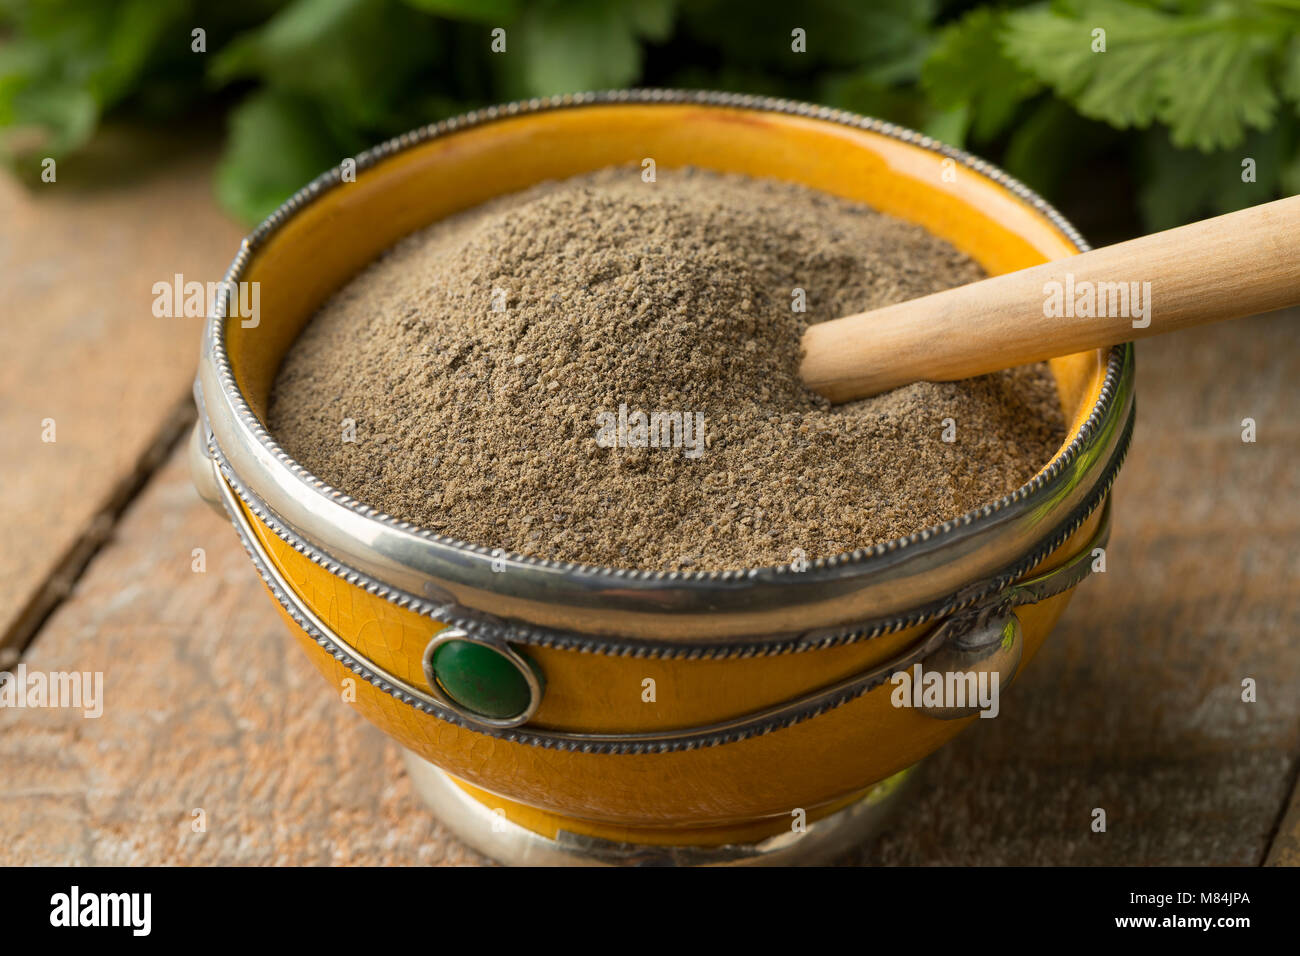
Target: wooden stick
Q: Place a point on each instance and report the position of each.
(1222, 268)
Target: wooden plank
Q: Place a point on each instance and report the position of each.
(207, 705)
(78, 260)
(1285, 850)
(1133, 706)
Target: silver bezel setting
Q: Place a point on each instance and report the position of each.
(439, 693)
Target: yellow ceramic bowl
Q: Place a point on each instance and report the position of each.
(772, 719)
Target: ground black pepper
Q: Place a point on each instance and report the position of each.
(493, 367)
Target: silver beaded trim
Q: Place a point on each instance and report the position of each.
(482, 625)
(767, 720)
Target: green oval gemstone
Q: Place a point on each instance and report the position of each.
(480, 679)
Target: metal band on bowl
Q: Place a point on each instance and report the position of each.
(492, 629)
(764, 720)
(900, 583)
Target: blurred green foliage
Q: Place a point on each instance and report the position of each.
(1183, 93)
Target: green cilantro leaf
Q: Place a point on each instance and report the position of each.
(968, 69)
(1204, 73)
(567, 46)
(496, 12)
(277, 143)
(1291, 72)
(1181, 185)
(353, 56)
(69, 62)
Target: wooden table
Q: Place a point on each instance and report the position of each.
(219, 744)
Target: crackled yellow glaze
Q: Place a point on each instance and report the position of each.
(809, 765)
(741, 790)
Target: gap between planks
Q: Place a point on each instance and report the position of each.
(58, 586)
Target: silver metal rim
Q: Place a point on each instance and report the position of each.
(765, 720)
(904, 582)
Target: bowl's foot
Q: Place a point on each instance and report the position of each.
(488, 829)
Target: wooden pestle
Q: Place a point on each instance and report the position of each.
(1222, 268)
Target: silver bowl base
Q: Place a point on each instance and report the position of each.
(491, 834)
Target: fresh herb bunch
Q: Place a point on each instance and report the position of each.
(1179, 96)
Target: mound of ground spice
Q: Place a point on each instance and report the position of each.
(493, 378)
